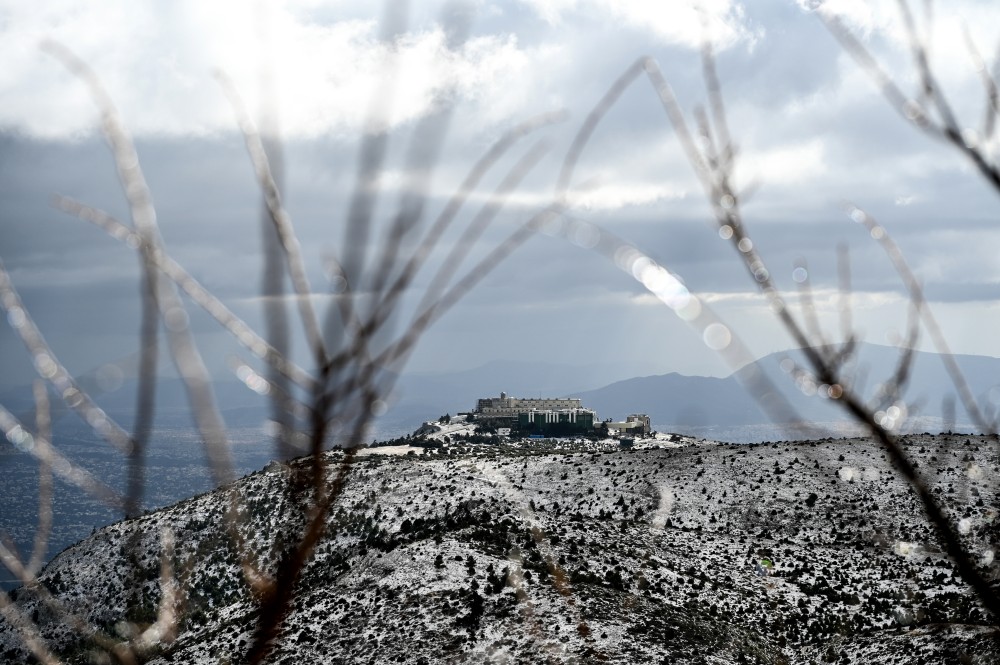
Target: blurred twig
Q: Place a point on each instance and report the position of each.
(43, 427)
(48, 367)
(930, 111)
(183, 349)
(281, 219)
(75, 475)
(201, 296)
(916, 292)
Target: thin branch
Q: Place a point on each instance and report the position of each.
(43, 427)
(164, 629)
(371, 157)
(281, 219)
(75, 475)
(727, 151)
(264, 386)
(201, 296)
(427, 138)
(185, 353)
(186, 357)
(904, 364)
(808, 306)
(910, 110)
(912, 284)
(433, 296)
(48, 367)
(992, 107)
(80, 625)
(592, 121)
(146, 393)
(670, 290)
(454, 205)
(479, 223)
(844, 296)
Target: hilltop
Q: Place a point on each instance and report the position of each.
(679, 550)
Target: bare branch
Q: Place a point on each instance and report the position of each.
(591, 122)
(947, 128)
(23, 440)
(725, 205)
(422, 155)
(726, 149)
(281, 219)
(937, 337)
(807, 304)
(262, 386)
(992, 107)
(910, 111)
(480, 223)
(164, 629)
(371, 157)
(81, 626)
(844, 291)
(201, 296)
(50, 369)
(189, 363)
(454, 205)
(43, 427)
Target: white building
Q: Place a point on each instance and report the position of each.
(635, 424)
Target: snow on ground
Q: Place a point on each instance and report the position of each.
(390, 450)
(581, 551)
(458, 425)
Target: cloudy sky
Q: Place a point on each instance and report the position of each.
(811, 128)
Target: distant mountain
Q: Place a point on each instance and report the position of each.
(709, 406)
(692, 404)
(675, 399)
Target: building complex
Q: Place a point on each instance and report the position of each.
(550, 416)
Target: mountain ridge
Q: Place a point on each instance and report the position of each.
(684, 404)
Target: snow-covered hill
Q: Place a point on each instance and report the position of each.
(549, 552)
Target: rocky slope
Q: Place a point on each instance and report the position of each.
(570, 552)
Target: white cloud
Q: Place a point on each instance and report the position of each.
(678, 23)
(857, 14)
(786, 165)
(613, 197)
(157, 61)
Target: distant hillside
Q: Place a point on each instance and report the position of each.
(713, 407)
(710, 406)
(689, 552)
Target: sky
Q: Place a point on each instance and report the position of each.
(813, 133)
